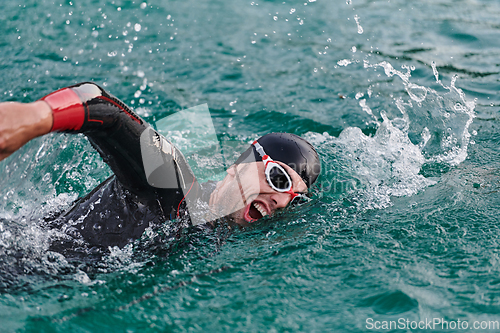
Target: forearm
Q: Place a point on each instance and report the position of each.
(111, 127)
(20, 123)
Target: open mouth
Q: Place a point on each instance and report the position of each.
(256, 210)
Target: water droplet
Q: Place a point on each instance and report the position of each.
(344, 62)
(275, 18)
(360, 28)
(137, 27)
(143, 5)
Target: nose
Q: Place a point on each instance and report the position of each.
(280, 200)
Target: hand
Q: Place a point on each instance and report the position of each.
(19, 123)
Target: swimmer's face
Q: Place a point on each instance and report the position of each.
(246, 196)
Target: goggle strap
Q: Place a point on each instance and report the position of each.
(259, 149)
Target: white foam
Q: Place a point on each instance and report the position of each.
(388, 163)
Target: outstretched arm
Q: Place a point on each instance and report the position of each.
(111, 127)
(20, 123)
(115, 131)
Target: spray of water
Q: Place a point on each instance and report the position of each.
(433, 127)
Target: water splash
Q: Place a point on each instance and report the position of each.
(438, 122)
(433, 127)
(42, 178)
(380, 166)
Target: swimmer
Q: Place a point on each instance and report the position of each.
(274, 171)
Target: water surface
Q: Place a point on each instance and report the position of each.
(400, 98)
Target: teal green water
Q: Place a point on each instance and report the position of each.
(400, 98)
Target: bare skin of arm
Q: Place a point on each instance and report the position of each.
(20, 123)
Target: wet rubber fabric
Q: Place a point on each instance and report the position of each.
(121, 208)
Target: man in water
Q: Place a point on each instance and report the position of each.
(275, 170)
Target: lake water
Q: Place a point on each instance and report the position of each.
(400, 98)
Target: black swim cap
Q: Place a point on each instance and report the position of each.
(290, 149)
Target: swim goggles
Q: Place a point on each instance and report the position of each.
(276, 175)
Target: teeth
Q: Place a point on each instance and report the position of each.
(261, 209)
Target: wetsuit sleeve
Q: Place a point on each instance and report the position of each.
(112, 128)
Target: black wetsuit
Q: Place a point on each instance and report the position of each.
(121, 208)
